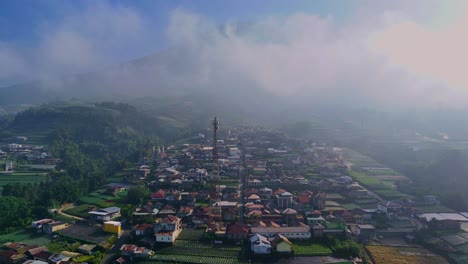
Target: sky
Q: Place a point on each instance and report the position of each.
(397, 53)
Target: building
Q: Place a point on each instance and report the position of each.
(39, 223)
(284, 200)
(113, 227)
(87, 249)
(363, 232)
(9, 166)
(391, 209)
(52, 227)
(237, 231)
(167, 229)
(260, 244)
(105, 214)
(281, 244)
(290, 232)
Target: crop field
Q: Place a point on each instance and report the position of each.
(80, 211)
(193, 259)
(21, 177)
(394, 255)
(25, 237)
(309, 249)
(191, 234)
(99, 198)
(93, 234)
(195, 248)
(390, 194)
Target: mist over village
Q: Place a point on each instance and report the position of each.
(225, 132)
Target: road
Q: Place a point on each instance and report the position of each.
(118, 244)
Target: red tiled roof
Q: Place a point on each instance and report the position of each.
(237, 228)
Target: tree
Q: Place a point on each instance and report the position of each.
(138, 194)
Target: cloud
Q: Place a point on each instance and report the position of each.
(93, 38)
(386, 59)
(307, 58)
(434, 53)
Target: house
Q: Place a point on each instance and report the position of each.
(143, 229)
(159, 195)
(305, 197)
(127, 250)
(34, 251)
(167, 229)
(120, 260)
(52, 227)
(315, 217)
(237, 231)
(391, 209)
(39, 223)
(43, 256)
(57, 258)
(318, 230)
(363, 232)
(281, 244)
(105, 214)
(260, 244)
(87, 249)
(284, 200)
(113, 227)
(265, 193)
(11, 257)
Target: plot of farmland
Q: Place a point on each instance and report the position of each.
(21, 177)
(310, 249)
(395, 255)
(99, 198)
(195, 248)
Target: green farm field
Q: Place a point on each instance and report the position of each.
(100, 199)
(310, 249)
(21, 177)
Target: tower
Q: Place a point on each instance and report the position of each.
(215, 144)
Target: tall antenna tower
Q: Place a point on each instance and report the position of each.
(215, 144)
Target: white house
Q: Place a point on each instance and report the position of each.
(260, 244)
(168, 229)
(391, 209)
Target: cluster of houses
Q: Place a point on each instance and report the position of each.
(20, 253)
(32, 153)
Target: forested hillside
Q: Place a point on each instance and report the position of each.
(93, 142)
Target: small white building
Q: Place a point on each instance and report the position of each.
(260, 244)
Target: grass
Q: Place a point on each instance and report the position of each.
(302, 248)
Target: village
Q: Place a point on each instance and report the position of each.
(244, 194)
